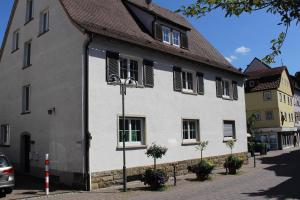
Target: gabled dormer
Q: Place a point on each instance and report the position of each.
(162, 24)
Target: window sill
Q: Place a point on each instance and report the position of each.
(226, 98)
(190, 143)
(189, 92)
(229, 139)
(136, 147)
(4, 145)
(129, 86)
(26, 66)
(13, 51)
(27, 21)
(42, 33)
(25, 113)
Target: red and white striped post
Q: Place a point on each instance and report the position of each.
(47, 174)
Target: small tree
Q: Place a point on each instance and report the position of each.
(230, 144)
(156, 151)
(201, 147)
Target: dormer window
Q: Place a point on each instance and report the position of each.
(176, 38)
(166, 34)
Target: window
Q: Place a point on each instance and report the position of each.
(251, 83)
(15, 42)
(29, 11)
(229, 130)
(269, 115)
(257, 116)
(176, 38)
(285, 116)
(284, 99)
(166, 34)
(27, 54)
(134, 131)
(226, 88)
(190, 130)
(129, 68)
(5, 135)
(187, 81)
(292, 117)
(267, 96)
(26, 99)
(280, 97)
(44, 21)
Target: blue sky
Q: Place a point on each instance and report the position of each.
(239, 39)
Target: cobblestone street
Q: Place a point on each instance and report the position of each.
(276, 177)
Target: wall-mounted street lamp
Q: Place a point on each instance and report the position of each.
(124, 83)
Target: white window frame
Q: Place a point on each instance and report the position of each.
(26, 101)
(2, 141)
(140, 67)
(44, 26)
(143, 131)
(28, 18)
(267, 115)
(224, 95)
(267, 95)
(233, 137)
(165, 28)
(16, 40)
(184, 84)
(173, 38)
(197, 132)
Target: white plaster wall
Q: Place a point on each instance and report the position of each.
(162, 107)
(296, 107)
(56, 81)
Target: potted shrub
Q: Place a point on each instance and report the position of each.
(155, 178)
(263, 149)
(204, 167)
(232, 163)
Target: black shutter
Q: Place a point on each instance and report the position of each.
(200, 83)
(148, 73)
(219, 87)
(235, 90)
(158, 31)
(184, 41)
(177, 79)
(112, 65)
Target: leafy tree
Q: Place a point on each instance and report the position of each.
(288, 10)
(156, 151)
(230, 144)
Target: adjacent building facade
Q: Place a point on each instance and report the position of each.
(269, 96)
(296, 86)
(59, 97)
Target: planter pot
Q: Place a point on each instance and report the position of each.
(232, 170)
(202, 176)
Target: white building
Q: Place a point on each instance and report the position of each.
(57, 98)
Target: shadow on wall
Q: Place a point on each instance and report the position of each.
(286, 165)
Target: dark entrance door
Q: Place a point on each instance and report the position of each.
(25, 153)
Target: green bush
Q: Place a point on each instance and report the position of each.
(155, 178)
(202, 170)
(233, 163)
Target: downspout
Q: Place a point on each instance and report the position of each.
(87, 135)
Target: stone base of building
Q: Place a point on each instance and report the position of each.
(115, 177)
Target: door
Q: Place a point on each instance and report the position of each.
(25, 153)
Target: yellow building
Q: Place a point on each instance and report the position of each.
(269, 97)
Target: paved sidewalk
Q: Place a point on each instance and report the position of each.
(275, 177)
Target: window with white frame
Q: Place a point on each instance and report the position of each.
(269, 115)
(5, 135)
(26, 99)
(190, 130)
(134, 131)
(187, 81)
(29, 11)
(44, 21)
(267, 95)
(15, 40)
(229, 130)
(257, 116)
(166, 33)
(27, 54)
(226, 88)
(130, 68)
(176, 38)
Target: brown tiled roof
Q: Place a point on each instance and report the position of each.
(266, 79)
(111, 18)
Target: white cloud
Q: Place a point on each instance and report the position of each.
(231, 58)
(242, 50)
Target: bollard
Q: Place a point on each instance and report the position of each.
(174, 174)
(47, 174)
